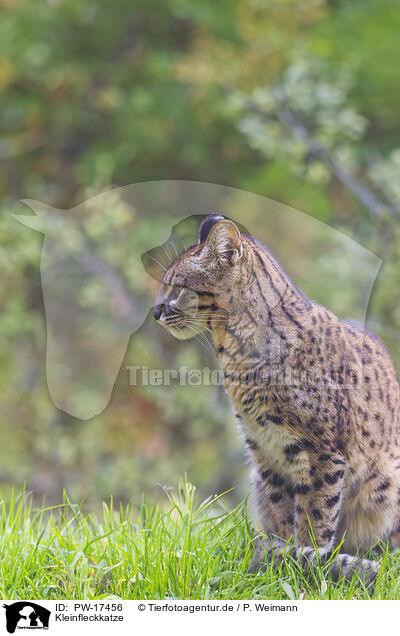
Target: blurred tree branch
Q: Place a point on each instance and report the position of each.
(291, 121)
(297, 127)
(114, 279)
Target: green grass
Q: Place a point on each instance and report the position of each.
(189, 550)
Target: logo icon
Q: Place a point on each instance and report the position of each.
(26, 615)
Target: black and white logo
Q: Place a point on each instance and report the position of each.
(26, 615)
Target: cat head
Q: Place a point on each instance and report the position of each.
(197, 286)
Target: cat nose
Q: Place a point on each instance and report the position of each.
(169, 308)
(157, 311)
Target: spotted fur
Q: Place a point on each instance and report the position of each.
(317, 398)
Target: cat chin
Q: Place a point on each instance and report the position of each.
(182, 333)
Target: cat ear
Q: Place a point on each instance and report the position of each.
(225, 243)
(206, 225)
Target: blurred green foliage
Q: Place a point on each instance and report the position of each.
(96, 94)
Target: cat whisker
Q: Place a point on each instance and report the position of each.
(174, 247)
(168, 253)
(197, 324)
(158, 263)
(203, 341)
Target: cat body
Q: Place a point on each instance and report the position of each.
(316, 398)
